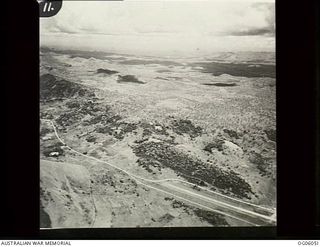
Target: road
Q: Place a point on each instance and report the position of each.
(247, 213)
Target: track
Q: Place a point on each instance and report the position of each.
(239, 210)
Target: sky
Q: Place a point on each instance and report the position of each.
(162, 27)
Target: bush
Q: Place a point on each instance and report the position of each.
(214, 145)
(106, 71)
(56, 147)
(186, 127)
(129, 78)
(271, 134)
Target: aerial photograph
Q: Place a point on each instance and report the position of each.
(158, 114)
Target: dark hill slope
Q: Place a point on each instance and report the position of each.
(52, 87)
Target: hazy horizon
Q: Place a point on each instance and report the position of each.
(162, 28)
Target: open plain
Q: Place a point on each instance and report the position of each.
(130, 141)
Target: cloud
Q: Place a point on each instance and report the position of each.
(269, 10)
(253, 32)
(207, 25)
(203, 18)
(266, 27)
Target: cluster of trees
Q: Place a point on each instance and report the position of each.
(193, 169)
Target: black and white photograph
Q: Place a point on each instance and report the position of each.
(158, 114)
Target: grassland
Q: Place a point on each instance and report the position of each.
(220, 137)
